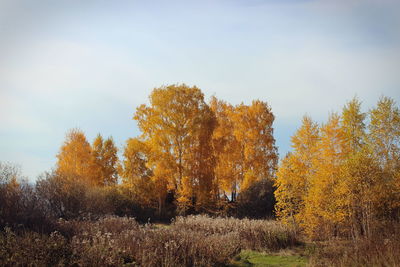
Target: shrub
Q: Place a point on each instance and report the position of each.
(20, 205)
(380, 250)
(257, 201)
(33, 249)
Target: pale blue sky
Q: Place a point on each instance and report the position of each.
(89, 64)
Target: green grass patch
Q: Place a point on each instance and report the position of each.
(160, 225)
(253, 258)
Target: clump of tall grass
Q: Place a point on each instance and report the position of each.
(33, 249)
(253, 234)
(87, 227)
(382, 249)
(117, 241)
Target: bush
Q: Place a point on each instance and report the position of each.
(257, 201)
(382, 249)
(20, 206)
(70, 198)
(33, 249)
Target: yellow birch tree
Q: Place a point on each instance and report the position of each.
(178, 125)
(75, 159)
(106, 159)
(294, 172)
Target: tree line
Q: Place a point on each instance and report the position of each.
(343, 176)
(191, 156)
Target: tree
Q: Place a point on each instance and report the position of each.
(75, 159)
(353, 170)
(352, 121)
(19, 201)
(105, 154)
(64, 197)
(177, 125)
(136, 175)
(227, 151)
(363, 189)
(325, 206)
(343, 181)
(253, 130)
(10, 193)
(384, 132)
(384, 139)
(244, 146)
(294, 172)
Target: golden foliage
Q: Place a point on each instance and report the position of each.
(75, 159)
(345, 180)
(244, 145)
(95, 165)
(293, 176)
(177, 126)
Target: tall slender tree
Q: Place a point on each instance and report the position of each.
(384, 139)
(352, 121)
(137, 176)
(325, 202)
(295, 170)
(178, 125)
(106, 159)
(253, 130)
(227, 150)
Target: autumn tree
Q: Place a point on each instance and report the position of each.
(75, 159)
(294, 172)
(253, 130)
(349, 184)
(244, 145)
(136, 175)
(363, 189)
(325, 201)
(80, 162)
(105, 157)
(384, 139)
(227, 150)
(359, 173)
(384, 132)
(352, 121)
(177, 126)
(199, 152)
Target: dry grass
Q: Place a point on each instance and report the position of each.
(187, 241)
(33, 249)
(377, 253)
(253, 234)
(114, 241)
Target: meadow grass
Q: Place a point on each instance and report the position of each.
(258, 259)
(187, 241)
(114, 241)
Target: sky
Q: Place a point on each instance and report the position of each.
(89, 64)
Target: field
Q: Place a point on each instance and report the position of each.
(113, 241)
(187, 241)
